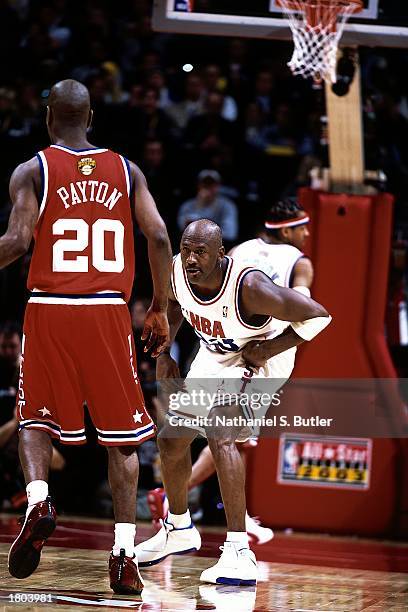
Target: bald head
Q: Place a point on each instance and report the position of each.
(204, 231)
(202, 253)
(69, 103)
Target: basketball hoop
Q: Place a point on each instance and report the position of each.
(317, 26)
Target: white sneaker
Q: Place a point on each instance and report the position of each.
(168, 541)
(259, 534)
(236, 566)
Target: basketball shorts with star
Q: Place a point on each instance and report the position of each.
(80, 354)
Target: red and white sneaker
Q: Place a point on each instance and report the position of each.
(158, 505)
(257, 533)
(25, 552)
(124, 575)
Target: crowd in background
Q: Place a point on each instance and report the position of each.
(223, 140)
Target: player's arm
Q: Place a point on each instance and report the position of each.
(24, 189)
(302, 276)
(260, 296)
(156, 328)
(166, 367)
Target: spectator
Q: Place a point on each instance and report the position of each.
(149, 122)
(264, 90)
(157, 80)
(207, 133)
(191, 105)
(214, 82)
(208, 204)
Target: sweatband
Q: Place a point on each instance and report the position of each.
(302, 289)
(310, 328)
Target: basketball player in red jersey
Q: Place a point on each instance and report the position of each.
(77, 344)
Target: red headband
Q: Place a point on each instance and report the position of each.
(287, 222)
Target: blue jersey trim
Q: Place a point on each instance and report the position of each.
(42, 176)
(49, 424)
(75, 296)
(118, 436)
(131, 185)
(78, 150)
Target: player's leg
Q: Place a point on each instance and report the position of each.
(177, 534)
(230, 468)
(175, 459)
(35, 451)
(39, 402)
(237, 564)
(123, 474)
(117, 409)
(202, 469)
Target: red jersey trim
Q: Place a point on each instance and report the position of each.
(240, 278)
(221, 291)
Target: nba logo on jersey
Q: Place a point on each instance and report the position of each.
(86, 165)
(225, 311)
(290, 457)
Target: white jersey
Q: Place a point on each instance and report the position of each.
(218, 321)
(276, 260)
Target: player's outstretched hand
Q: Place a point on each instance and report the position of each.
(254, 354)
(156, 331)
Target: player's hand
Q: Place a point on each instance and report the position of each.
(254, 354)
(168, 374)
(156, 331)
(166, 367)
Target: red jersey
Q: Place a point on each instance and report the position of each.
(84, 234)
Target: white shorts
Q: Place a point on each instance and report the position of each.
(212, 383)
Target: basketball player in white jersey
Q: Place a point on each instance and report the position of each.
(278, 250)
(278, 253)
(228, 305)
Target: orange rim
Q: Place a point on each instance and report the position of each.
(322, 13)
(293, 5)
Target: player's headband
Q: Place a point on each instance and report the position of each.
(287, 222)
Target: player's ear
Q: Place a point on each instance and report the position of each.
(90, 117)
(221, 252)
(48, 118)
(285, 233)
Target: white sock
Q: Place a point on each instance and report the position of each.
(240, 538)
(179, 520)
(124, 538)
(37, 491)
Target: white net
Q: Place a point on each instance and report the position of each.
(317, 26)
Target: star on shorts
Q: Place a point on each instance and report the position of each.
(137, 417)
(44, 411)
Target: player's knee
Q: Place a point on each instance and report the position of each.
(122, 450)
(221, 446)
(170, 447)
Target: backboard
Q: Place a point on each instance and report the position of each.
(382, 23)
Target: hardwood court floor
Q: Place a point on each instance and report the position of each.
(73, 575)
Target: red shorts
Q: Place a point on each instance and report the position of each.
(77, 354)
